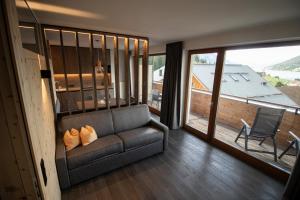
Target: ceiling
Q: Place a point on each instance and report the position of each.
(164, 20)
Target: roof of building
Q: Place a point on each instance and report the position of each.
(241, 81)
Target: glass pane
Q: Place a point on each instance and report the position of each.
(99, 70)
(202, 79)
(131, 70)
(141, 52)
(58, 68)
(122, 71)
(111, 70)
(72, 69)
(260, 78)
(141, 79)
(87, 70)
(156, 67)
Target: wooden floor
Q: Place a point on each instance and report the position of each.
(228, 134)
(189, 169)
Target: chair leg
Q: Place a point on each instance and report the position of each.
(297, 146)
(275, 149)
(262, 141)
(246, 142)
(239, 135)
(288, 148)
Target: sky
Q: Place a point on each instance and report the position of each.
(260, 58)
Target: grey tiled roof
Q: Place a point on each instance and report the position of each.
(242, 81)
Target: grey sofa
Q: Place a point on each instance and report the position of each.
(125, 135)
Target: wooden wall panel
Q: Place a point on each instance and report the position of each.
(72, 60)
(36, 99)
(14, 150)
(37, 109)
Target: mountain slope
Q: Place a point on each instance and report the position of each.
(292, 64)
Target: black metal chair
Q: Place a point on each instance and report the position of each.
(156, 97)
(265, 126)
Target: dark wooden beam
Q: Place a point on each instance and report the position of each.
(145, 72)
(136, 70)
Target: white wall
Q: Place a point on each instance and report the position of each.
(279, 31)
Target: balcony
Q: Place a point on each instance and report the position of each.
(228, 124)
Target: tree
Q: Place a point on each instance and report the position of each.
(158, 62)
(197, 60)
(279, 84)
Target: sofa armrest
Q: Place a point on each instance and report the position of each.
(163, 128)
(61, 164)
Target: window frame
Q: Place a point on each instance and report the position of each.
(267, 168)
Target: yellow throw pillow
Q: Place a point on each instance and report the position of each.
(90, 128)
(71, 139)
(87, 135)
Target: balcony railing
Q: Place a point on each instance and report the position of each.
(293, 109)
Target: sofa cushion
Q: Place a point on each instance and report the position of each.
(100, 120)
(100, 148)
(140, 136)
(132, 117)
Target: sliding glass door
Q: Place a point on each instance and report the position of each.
(202, 69)
(246, 100)
(256, 84)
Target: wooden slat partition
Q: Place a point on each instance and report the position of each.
(136, 70)
(80, 72)
(103, 45)
(145, 72)
(93, 71)
(104, 61)
(127, 71)
(117, 71)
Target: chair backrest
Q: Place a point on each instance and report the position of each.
(267, 121)
(155, 95)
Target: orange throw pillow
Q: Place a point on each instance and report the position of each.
(87, 135)
(71, 139)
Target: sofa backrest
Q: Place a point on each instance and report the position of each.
(100, 120)
(127, 118)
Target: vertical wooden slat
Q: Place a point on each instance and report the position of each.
(64, 68)
(127, 71)
(117, 73)
(145, 72)
(80, 71)
(93, 71)
(103, 45)
(36, 37)
(136, 70)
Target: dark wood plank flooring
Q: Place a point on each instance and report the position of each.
(189, 169)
